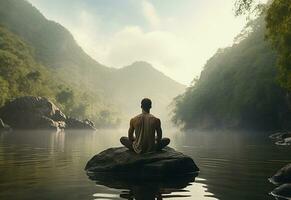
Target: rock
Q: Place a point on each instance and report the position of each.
(166, 162)
(3, 126)
(282, 192)
(31, 113)
(72, 123)
(282, 138)
(284, 142)
(47, 123)
(282, 176)
(39, 113)
(276, 136)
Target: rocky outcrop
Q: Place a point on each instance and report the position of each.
(282, 138)
(282, 192)
(38, 113)
(72, 123)
(283, 175)
(166, 162)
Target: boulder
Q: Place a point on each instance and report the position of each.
(72, 123)
(282, 176)
(166, 162)
(282, 192)
(30, 112)
(47, 123)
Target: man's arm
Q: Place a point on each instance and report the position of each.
(131, 131)
(159, 131)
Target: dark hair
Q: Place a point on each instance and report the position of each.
(146, 104)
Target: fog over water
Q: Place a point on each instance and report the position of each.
(50, 165)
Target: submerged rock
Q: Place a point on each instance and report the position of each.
(3, 126)
(30, 112)
(282, 138)
(282, 176)
(282, 192)
(166, 162)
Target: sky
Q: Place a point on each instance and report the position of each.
(176, 36)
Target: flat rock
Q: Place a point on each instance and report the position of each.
(283, 175)
(166, 162)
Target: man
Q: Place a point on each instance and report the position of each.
(145, 126)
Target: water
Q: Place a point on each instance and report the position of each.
(50, 165)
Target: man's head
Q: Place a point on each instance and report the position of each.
(146, 104)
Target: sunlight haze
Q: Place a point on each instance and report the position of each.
(177, 37)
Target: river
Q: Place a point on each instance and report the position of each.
(50, 165)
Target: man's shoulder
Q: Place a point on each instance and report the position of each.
(140, 115)
(136, 117)
(155, 119)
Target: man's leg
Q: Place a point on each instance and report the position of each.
(164, 142)
(126, 142)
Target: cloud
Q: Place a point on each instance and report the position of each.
(163, 49)
(178, 37)
(150, 14)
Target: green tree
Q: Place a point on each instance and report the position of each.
(237, 88)
(278, 23)
(4, 91)
(66, 98)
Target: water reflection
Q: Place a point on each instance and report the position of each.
(50, 165)
(150, 189)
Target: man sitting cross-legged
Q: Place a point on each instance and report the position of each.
(145, 126)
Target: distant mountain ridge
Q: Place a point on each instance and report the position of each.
(55, 48)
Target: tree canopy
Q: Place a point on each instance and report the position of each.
(278, 23)
(237, 88)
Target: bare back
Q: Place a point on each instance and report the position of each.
(145, 126)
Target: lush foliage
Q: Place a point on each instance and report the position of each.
(100, 93)
(237, 87)
(278, 23)
(279, 33)
(21, 75)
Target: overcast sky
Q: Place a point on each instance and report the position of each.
(176, 36)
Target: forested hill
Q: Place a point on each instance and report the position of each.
(83, 87)
(140, 80)
(20, 74)
(54, 46)
(237, 88)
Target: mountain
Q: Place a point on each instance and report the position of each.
(238, 88)
(20, 74)
(114, 92)
(141, 80)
